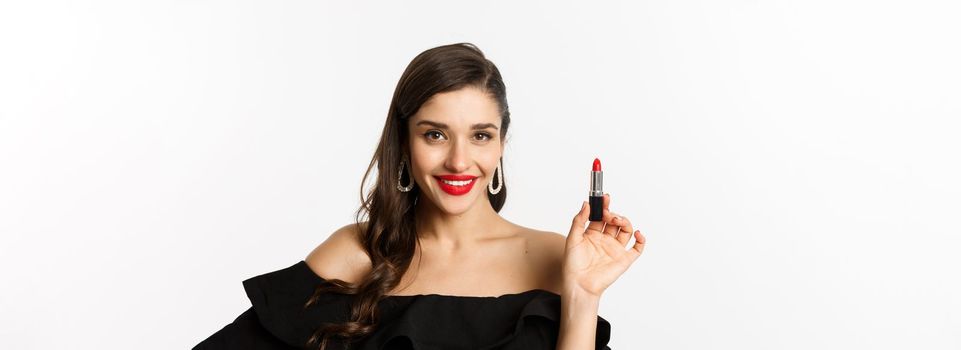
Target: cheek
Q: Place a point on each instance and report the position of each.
(425, 158)
(493, 163)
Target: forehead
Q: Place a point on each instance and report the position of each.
(459, 108)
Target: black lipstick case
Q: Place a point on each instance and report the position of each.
(597, 208)
(596, 196)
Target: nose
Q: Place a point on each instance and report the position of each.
(458, 158)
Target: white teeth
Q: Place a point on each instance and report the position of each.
(456, 183)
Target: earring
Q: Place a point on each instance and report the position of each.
(500, 181)
(400, 173)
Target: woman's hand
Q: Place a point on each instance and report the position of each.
(595, 256)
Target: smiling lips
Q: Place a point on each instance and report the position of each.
(456, 184)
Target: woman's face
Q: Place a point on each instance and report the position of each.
(455, 133)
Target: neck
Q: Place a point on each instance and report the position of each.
(461, 232)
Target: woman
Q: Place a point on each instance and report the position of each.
(435, 266)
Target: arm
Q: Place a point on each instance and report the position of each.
(578, 327)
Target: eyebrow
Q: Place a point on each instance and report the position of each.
(445, 126)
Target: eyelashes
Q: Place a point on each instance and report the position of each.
(428, 134)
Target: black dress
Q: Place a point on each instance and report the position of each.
(277, 320)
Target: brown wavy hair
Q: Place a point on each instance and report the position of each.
(389, 238)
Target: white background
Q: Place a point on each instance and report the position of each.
(794, 165)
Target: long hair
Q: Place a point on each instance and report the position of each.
(389, 237)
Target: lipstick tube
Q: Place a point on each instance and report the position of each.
(596, 196)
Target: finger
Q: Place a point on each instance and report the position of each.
(623, 235)
(638, 248)
(599, 225)
(612, 226)
(577, 224)
(605, 224)
(605, 216)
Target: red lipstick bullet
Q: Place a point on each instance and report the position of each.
(596, 196)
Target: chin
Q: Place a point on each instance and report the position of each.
(455, 205)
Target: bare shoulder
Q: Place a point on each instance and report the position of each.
(546, 252)
(550, 243)
(341, 256)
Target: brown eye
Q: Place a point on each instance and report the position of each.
(432, 132)
(484, 134)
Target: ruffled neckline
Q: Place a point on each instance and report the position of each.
(528, 317)
(318, 279)
(473, 297)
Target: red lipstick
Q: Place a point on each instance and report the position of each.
(456, 190)
(596, 196)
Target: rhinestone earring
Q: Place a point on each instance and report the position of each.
(400, 173)
(500, 181)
